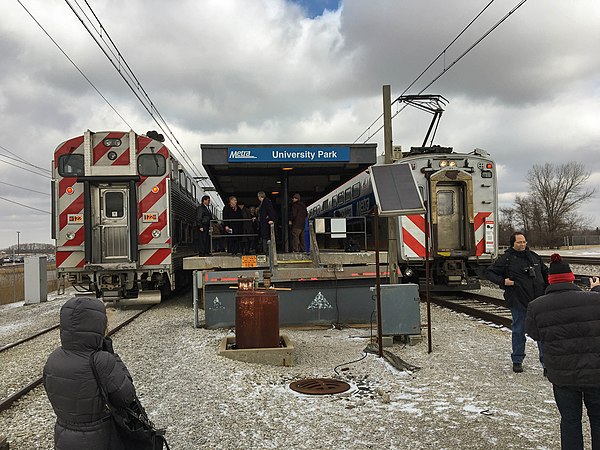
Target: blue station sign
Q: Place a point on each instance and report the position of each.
(289, 154)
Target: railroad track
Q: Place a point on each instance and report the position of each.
(9, 400)
(476, 305)
(584, 260)
(29, 338)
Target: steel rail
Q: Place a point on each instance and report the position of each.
(33, 336)
(7, 402)
(474, 305)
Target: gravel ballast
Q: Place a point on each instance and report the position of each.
(464, 396)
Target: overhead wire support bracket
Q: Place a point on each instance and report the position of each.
(433, 104)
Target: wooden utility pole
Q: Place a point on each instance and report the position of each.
(392, 222)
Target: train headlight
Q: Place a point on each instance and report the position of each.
(486, 174)
(155, 233)
(408, 272)
(155, 190)
(112, 155)
(443, 163)
(70, 235)
(452, 163)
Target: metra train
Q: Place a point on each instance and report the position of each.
(461, 198)
(123, 213)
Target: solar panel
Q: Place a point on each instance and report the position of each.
(396, 192)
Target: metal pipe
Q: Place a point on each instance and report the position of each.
(429, 344)
(378, 283)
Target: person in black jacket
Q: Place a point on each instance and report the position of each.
(567, 323)
(232, 223)
(266, 217)
(203, 218)
(82, 420)
(524, 277)
(297, 221)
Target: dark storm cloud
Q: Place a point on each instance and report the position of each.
(271, 71)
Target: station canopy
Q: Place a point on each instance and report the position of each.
(281, 170)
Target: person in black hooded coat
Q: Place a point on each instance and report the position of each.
(82, 419)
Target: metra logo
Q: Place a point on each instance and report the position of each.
(238, 154)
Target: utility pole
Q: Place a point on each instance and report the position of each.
(18, 244)
(392, 222)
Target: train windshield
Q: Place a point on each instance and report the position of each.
(70, 165)
(151, 165)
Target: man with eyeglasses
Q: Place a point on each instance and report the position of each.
(524, 277)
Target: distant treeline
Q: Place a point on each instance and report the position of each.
(29, 248)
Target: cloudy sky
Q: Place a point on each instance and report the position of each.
(308, 71)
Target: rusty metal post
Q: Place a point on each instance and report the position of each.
(256, 316)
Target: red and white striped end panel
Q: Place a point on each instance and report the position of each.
(153, 257)
(74, 145)
(100, 151)
(413, 235)
(143, 146)
(70, 259)
(479, 231)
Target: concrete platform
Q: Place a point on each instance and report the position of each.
(280, 356)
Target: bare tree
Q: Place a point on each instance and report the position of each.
(555, 193)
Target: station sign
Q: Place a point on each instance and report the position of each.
(306, 154)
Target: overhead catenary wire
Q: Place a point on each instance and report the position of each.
(23, 160)
(129, 77)
(24, 188)
(23, 205)
(446, 69)
(22, 168)
(74, 65)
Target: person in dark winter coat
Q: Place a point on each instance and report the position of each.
(247, 240)
(566, 321)
(524, 277)
(232, 216)
(82, 419)
(297, 221)
(203, 218)
(266, 217)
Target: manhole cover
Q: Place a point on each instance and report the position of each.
(319, 386)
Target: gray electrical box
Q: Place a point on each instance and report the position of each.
(36, 279)
(400, 310)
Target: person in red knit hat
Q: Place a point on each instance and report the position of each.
(566, 321)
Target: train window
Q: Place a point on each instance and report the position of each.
(333, 201)
(356, 190)
(70, 165)
(182, 180)
(340, 198)
(194, 195)
(325, 205)
(113, 205)
(188, 185)
(151, 165)
(445, 203)
(348, 194)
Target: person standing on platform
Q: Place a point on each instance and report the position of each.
(567, 323)
(203, 218)
(247, 231)
(524, 277)
(266, 217)
(232, 215)
(297, 221)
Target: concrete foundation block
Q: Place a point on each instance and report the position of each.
(280, 356)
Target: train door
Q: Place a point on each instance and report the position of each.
(450, 217)
(111, 233)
